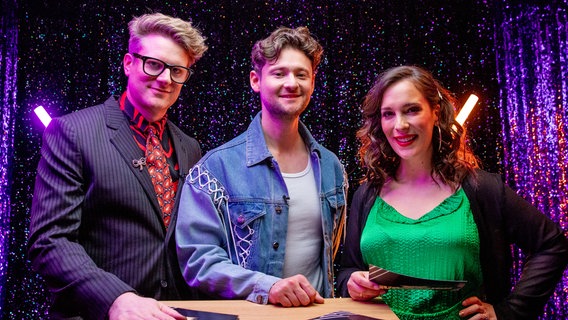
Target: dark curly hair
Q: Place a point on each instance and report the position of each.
(452, 160)
(268, 50)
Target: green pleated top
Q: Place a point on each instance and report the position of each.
(443, 245)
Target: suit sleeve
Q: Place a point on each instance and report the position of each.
(54, 248)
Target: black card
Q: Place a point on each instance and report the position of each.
(392, 280)
(205, 315)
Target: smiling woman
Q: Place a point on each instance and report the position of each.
(460, 221)
(407, 121)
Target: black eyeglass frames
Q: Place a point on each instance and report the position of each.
(154, 67)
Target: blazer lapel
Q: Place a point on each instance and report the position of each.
(121, 137)
(180, 151)
(182, 155)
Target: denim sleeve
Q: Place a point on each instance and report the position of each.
(202, 244)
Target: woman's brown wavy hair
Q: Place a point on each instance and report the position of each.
(452, 160)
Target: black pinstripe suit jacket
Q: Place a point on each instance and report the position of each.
(96, 228)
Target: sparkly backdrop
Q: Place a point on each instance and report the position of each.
(532, 58)
(68, 56)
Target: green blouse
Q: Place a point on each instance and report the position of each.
(443, 245)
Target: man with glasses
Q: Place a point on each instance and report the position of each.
(154, 67)
(105, 198)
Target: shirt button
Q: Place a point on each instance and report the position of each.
(164, 283)
(275, 245)
(278, 209)
(241, 219)
(259, 299)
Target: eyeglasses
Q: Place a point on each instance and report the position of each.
(154, 67)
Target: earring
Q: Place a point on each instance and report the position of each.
(439, 139)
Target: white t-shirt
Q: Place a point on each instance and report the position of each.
(304, 238)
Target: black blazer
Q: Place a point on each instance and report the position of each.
(96, 228)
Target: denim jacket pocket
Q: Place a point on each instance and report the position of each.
(246, 224)
(244, 215)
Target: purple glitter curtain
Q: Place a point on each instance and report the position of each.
(68, 55)
(8, 64)
(533, 75)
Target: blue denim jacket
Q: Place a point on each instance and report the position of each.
(232, 220)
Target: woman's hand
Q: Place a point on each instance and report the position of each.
(361, 288)
(477, 309)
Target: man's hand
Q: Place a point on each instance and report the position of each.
(361, 288)
(294, 291)
(131, 306)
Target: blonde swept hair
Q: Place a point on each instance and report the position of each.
(180, 31)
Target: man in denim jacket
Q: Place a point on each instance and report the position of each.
(261, 216)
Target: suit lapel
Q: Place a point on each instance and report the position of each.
(182, 156)
(121, 137)
(180, 150)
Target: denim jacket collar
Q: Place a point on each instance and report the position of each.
(256, 148)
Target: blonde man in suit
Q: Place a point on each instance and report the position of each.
(101, 232)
